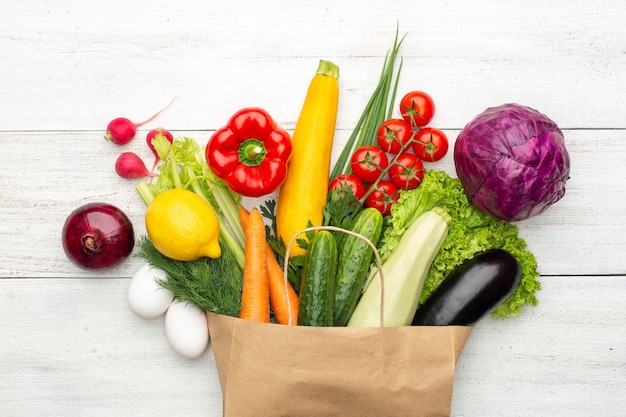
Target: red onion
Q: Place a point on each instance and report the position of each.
(98, 236)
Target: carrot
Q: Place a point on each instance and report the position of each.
(255, 303)
(278, 300)
(275, 274)
(244, 215)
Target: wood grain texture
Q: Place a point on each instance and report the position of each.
(75, 349)
(70, 346)
(77, 64)
(72, 168)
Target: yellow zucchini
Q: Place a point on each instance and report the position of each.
(303, 194)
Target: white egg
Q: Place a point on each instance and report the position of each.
(146, 298)
(187, 329)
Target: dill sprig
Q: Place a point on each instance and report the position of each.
(212, 284)
(296, 263)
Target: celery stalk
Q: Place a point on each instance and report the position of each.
(184, 166)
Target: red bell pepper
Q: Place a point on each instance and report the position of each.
(250, 153)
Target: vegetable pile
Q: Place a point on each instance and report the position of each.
(383, 237)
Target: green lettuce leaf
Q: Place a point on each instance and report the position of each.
(471, 232)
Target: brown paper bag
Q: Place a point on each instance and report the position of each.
(276, 370)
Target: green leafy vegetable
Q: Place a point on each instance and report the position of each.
(340, 210)
(211, 284)
(471, 232)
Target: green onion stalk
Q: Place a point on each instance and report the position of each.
(378, 109)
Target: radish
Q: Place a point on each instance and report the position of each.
(150, 137)
(130, 165)
(122, 130)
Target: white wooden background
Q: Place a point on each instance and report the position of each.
(69, 345)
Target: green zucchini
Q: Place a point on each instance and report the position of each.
(317, 287)
(404, 271)
(355, 258)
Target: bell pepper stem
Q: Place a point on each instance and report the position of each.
(252, 152)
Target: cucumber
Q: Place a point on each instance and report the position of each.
(355, 258)
(405, 272)
(317, 287)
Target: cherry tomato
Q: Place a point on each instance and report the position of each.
(430, 144)
(367, 162)
(392, 134)
(407, 172)
(417, 108)
(383, 197)
(352, 182)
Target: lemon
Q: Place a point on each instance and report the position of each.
(182, 226)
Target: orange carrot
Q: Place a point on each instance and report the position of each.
(244, 215)
(278, 300)
(255, 303)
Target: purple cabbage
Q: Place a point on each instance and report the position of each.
(512, 162)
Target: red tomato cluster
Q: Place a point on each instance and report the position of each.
(397, 162)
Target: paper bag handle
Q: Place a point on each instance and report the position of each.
(349, 232)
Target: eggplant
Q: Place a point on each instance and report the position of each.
(473, 290)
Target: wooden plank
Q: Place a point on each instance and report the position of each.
(567, 356)
(72, 347)
(75, 65)
(76, 349)
(51, 173)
